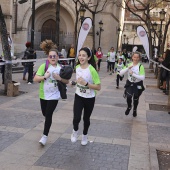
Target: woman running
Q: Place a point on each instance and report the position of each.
(134, 84)
(111, 60)
(49, 93)
(88, 82)
(119, 66)
(99, 55)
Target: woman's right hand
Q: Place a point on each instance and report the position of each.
(47, 74)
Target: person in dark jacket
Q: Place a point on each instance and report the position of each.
(2, 70)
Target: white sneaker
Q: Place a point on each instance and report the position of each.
(84, 140)
(43, 140)
(29, 83)
(74, 136)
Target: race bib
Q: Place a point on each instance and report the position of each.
(133, 79)
(83, 89)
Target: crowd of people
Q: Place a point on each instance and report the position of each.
(87, 67)
(164, 73)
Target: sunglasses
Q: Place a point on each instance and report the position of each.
(52, 56)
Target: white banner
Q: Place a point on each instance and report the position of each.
(134, 48)
(141, 32)
(84, 30)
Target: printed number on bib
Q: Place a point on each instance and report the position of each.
(84, 90)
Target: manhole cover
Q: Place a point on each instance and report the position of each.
(159, 107)
(163, 160)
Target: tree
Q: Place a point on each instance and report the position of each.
(76, 23)
(58, 22)
(142, 10)
(6, 50)
(93, 8)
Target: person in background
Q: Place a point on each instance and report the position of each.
(63, 52)
(25, 64)
(111, 56)
(119, 66)
(134, 84)
(125, 55)
(99, 56)
(2, 69)
(71, 54)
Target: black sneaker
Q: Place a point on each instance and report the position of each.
(127, 111)
(134, 113)
(117, 87)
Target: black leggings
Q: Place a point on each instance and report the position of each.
(99, 62)
(135, 100)
(111, 66)
(81, 103)
(47, 108)
(117, 79)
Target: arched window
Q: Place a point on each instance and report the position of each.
(48, 30)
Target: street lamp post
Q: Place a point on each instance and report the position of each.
(82, 11)
(155, 29)
(100, 26)
(33, 23)
(162, 18)
(124, 39)
(118, 31)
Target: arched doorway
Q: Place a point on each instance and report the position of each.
(48, 30)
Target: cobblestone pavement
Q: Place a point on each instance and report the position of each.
(116, 141)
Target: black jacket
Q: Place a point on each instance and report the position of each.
(132, 89)
(65, 73)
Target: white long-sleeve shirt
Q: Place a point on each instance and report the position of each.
(138, 72)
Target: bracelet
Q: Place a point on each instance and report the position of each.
(86, 84)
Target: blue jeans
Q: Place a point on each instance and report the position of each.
(25, 71)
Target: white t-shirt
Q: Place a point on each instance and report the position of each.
(91, 76)
(48, 88)
(112, 56)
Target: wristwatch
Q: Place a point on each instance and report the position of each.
(45, 78)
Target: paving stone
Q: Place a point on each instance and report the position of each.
(155, 98)
(100, 128)
(111, 101)
(158, 134)
(20, 119)
(7, 138)
(110, 112)
(82, 157)
(157, 116)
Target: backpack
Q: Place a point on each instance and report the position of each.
(45, 69)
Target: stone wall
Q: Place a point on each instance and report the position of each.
(109, 16)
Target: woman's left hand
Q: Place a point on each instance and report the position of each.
(81, 81)
(56, 76)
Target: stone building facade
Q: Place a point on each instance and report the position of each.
(18, 19)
